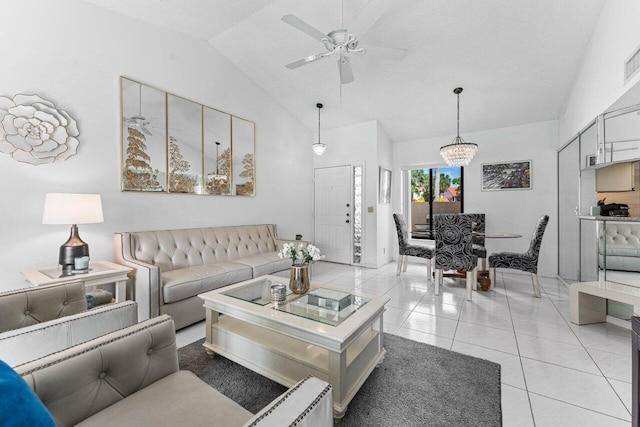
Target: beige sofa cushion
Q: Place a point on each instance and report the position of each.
(188, 282)
(180, 399)
(266, 263)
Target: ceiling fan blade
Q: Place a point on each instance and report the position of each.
(298, 23)
(346, 72)
(392, 53)
(369, 15)
(308, 60)
(145, 130)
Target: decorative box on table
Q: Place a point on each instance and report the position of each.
(328, 298)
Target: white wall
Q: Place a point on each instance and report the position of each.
(513, 211)
(600, 80)
(386, 229)
(73, 53)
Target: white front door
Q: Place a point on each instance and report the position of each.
(333, 213)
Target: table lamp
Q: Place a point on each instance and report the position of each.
(74, 209)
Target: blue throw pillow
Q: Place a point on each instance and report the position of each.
(19, 405)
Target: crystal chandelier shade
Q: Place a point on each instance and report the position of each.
(319, 147)
(458, 153)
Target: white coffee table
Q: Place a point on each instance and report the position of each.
(286, 347)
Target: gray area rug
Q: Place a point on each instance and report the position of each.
(416, 385)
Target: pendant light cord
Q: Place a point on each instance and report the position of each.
(319, 107)
(458, 115)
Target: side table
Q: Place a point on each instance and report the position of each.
(100, 273)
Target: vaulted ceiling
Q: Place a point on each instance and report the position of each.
(515, 59)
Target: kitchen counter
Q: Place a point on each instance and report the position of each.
(610, 218)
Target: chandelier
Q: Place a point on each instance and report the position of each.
(319, 147)
(458, 153)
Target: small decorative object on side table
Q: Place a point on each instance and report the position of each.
(100, 273)
(304, 255)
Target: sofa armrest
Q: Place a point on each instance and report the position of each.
(81, 381)
(308, 403)
(23, 345)
(280, 242)
(144, 281)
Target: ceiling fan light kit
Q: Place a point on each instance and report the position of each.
(459, 152)
(319, 147)
(342, 42)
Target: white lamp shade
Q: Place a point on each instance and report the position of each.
(65, 208)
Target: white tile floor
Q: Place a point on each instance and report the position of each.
(554, 373)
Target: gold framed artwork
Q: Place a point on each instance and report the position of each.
(171, 144)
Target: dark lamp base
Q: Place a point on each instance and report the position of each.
(72, 249)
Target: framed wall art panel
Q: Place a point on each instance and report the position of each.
(217, 152)
(184, 124)
(243, 157)
(506, 176)
(144, 137)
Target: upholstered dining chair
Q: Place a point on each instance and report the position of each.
(454, 249)
(527, 261)
(478, 226)
(406, 249)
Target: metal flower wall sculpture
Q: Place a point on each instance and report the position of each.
(33, 131)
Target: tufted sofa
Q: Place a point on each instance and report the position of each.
(171, 267)
(131, 378)
(622, 246)
(38, 321)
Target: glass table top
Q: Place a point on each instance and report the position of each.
(258, 292)
(306, 306)
(322, 305)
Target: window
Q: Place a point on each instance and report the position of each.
(432, 191)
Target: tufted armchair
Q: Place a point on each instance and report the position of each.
(131, 377)
(30, 306)
(454, 249)
(406, 249)
(38, 321)
(527, 261)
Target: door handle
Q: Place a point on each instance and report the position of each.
(347, 221)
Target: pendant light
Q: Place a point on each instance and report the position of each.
(458, 153)
(218, 177)
(319, 147)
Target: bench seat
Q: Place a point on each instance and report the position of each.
(588, 300)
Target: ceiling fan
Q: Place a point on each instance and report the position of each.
(342, 42)
(138, 121)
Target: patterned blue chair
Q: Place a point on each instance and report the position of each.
(527, 261)
(478, 226)
(454, 249)
(406, 249)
